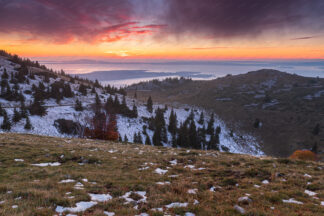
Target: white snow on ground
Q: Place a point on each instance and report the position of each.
(163, 183)
(78, 186)
(292, 200)
(80, 207)
(126, 196)
(310, 193)
(19, 160)
(173, 162)
(307, 176)
(236, 143)
(176, 205)
(47, 164)
(192, 191)
(67, 181)
(160, 171)
(109, 213)
(100, 197)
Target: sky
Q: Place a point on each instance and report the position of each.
(163, 29)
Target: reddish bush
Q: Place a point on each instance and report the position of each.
(304, 155)
(102, 127)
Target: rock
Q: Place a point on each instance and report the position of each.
(239, 209)
(244, 200)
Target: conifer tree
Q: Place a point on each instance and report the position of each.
(193, 136)
(135, 138)
(139, 138)
(93, 90)
(5, 74)
(172, 123)
(125, 139)
(28, 125)
(1, 110)
(218, 130)
(23, 109)
(16, 116)
(134, 111)
(6, 124)
(213, 143)
(83, 89)
(37, 108)
(78, 105)
(149, 104)
(210, 127)
(147, 140)
(201, 118)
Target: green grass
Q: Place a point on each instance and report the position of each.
(117, 173)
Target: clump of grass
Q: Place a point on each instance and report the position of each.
(228, 182)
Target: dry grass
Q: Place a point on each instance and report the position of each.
(118, 172)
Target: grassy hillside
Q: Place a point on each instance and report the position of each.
(197, 182)
(288, 106)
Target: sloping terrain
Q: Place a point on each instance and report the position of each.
(64, 108)
(280, 109)
(56, 176)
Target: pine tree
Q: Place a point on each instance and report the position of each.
(218, 130)
(5, 74)
(147, 140)
(193, 136)
(210, 127)
(135, 138)
(149, 104)
(201, 118)
(125, 139)
(139, 138)
(135, 95)
(78, 105)
(191, 116)
(1, 110)
(6, 124)
(120, 138)
(172, 123)
(157, 140)
(16, 117)
(37, 108)
(97, 84)
(213, 142)
(93, 90)
(134, 111)
(174, 141)
(28, 125)
(23, 109)
(83, 89)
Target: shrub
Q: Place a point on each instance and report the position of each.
(304, 155)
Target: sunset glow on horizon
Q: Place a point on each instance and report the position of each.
(163, 29)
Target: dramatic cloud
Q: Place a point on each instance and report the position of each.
(67, 20)
(233, 18)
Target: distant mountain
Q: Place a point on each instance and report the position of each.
(134, 74)
(285, 111)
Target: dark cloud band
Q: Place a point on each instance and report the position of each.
(239, 18)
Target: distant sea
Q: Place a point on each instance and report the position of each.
(144, 71)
